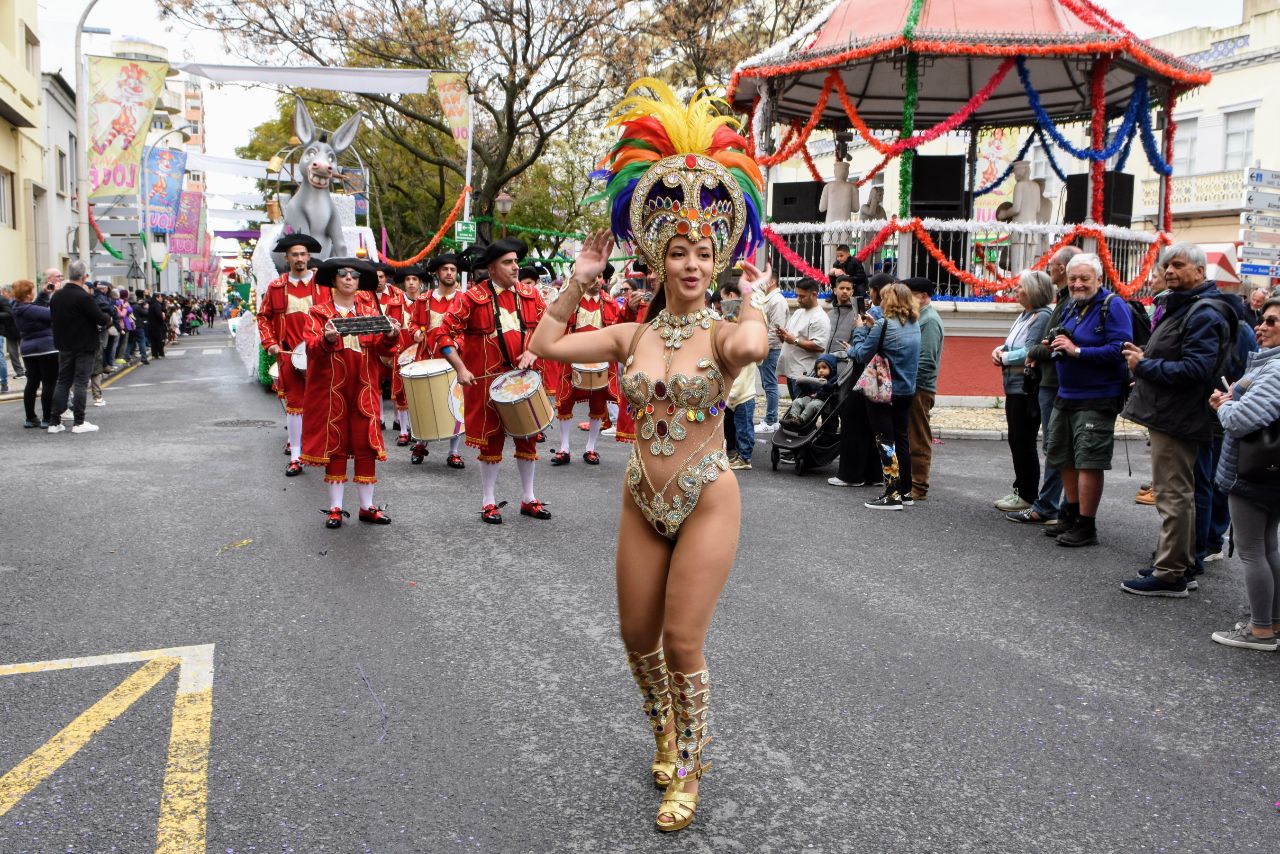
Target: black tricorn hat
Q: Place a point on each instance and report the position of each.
(608, 272)
(441, 260)
(534, 271)
(387, 269)
(304, 240)
(329, 268)
(405, 272)
(496, 250)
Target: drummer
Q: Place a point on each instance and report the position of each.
(492, 343)
(282, 322)
(552, 371)
(425, 314)
(342, 394)
(395, 307)
(595, 311)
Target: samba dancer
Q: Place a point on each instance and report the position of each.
(690, 208)
(425, 314)
(595, 310)
(491, 323)
(341, 417)
(282, 322)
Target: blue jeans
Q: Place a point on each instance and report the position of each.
(1050, 500)
(138, 341)
(744, 417)
(1213, 516)
(4, 364)
(769, 379)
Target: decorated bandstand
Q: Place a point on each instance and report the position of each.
(897, 75)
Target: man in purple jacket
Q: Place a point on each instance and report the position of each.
(1088, 350)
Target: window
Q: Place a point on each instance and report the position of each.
(1239, 140)
(6, 199)
(32, 54)
(1184, 147)
(63, 176)
(73, 171)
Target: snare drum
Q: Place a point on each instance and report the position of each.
(430, 387)
(591, 377)
(299, 357)
(522, 403)
(407, 357)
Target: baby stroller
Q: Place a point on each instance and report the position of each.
(817, 441)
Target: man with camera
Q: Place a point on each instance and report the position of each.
(1174, 376)
(1087, 350)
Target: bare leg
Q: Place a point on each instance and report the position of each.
(1071, 485)
(1089, 487)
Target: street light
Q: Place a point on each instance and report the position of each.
(503, 203)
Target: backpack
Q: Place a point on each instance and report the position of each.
(1141, 331)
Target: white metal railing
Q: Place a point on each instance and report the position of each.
(1209, 191)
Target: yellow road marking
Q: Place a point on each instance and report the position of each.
(184, 799)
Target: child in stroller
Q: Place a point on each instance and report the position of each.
(820, 386)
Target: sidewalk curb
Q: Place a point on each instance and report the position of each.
(945, 433)
(121, 372)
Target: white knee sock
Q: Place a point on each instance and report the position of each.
(335, 494)
(455, 443)
(294, 424)
(488, 483)
(593, 434)
(527, 468)
(566, 429)
(366, 495)
(402, 415)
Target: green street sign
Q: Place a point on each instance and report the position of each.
(464, 231)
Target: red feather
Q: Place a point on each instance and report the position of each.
(725, 138)
(650, 130)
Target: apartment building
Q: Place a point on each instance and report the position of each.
(24, 195)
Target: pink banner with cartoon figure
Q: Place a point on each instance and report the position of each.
(186, 231)
(122, 97)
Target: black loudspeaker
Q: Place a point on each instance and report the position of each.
(1117, 199)
(938, 190)
(796, 201)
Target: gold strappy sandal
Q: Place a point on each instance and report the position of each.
(650, 673)
(690, 696)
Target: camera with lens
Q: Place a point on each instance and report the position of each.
(1054, 333)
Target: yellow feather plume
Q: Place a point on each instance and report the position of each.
(690, 127)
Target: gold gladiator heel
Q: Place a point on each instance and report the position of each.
(650, 673)
(691, 694)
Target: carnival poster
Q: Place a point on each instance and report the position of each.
(996, 150)
(122, 97)
(186, 231)
(163, 177)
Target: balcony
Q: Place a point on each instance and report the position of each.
(1208, 192)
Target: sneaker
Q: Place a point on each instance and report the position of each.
(609, 431)
(121, 362)
(1243, 637)
(102, 401)
(1078, 536)
(84, 427)
(1030, 517)
(835, 481)
(1012, 501)
(888, 501)
(1145, 495)
(1152, 586)
(56, 428)
(1213, 556)
(908, 501)
(739, 464)
(766, 427)
(1192, 583)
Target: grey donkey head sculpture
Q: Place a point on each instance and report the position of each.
(311, 209)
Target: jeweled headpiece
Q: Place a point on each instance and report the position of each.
(680, 170)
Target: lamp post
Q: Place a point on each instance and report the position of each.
(503, 204)
(82, 134)
(145, 193)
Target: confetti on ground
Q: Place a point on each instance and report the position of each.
(237, 545)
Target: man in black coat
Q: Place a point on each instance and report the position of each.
(157, 326)
(77, 325)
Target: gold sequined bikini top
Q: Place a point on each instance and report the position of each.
(662, 407)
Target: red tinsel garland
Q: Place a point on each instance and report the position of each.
(435, 241)
(792, 258)
(808, 158)
(1170, 128)
(879, 167)
(786, 152)
(1098, 135)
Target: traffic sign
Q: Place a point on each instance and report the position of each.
(1258, 220)
(1260, 237)
(1268, 254)
(464, 231)
(1256, 200)
(1271, 271)
(1262, 178)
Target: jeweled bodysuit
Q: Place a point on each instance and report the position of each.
(676, 410)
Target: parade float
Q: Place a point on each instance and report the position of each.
(896, 75)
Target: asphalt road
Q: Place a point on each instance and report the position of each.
(936, 680)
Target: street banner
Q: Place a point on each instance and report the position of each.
(355, 183)
(186, 231)
(163, 177)
(452, 89)
(122, 97)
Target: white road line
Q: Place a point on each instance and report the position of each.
(212, 352)
(174, 354)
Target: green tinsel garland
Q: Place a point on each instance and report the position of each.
(265, 361)
(911, 97)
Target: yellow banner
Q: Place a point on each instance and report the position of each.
(122, 97)
(452, 89)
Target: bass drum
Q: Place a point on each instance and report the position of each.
(521, 402)
(432, 391)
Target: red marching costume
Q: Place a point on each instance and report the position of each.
(593, 312)
(396, 307)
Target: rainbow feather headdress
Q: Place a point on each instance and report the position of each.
(680, 169)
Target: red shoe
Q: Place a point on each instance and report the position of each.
(489, 513)
(534, 508)
(606, 423)
(403, 441)
(293, 469)
(584, 426)
(540, 438)
(455, 462)
(335, 515)
(374, 516)
(287, 449)
(591, 458)
(561, 458)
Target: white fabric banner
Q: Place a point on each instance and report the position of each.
(237, 215)
(373, 81)
(226, 165)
